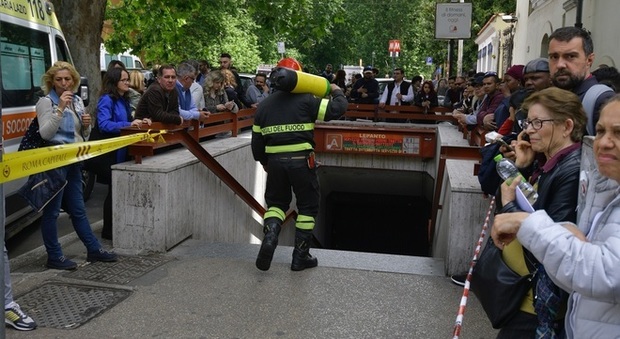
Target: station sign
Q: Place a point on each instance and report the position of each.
(332, 139)
(394, 48)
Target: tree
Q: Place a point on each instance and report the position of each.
(83, 34)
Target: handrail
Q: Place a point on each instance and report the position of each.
(221, 122)
(401, 113)
(187, 137)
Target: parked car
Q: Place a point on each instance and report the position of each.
(247, 79)
(383, 84)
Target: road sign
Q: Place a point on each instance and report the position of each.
(453, 20)
(429, 61)
(281, 48)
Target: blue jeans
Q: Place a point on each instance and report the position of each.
(71, 198)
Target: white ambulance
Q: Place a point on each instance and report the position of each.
(30, 42)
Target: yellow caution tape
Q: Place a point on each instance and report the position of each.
(22, 164)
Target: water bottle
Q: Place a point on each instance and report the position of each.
(508, 171)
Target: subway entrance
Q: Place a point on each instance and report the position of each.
(371, 210)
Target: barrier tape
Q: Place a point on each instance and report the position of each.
(24, 163)
(461, 313)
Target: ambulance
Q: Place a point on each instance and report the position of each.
(30, 42)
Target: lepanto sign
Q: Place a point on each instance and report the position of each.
(377, 143)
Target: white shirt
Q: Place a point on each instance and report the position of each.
(394, 100)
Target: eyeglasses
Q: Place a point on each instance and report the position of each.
(535, 123)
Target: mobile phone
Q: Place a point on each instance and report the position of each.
(494, 137)
(505, 144)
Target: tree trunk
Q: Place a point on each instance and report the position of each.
(82, 22)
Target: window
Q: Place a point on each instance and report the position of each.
(25, 56)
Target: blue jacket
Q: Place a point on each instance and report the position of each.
(112, 115)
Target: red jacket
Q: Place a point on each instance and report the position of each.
(489, 105)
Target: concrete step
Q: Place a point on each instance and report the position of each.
(377, 262)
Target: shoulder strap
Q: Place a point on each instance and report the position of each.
(589, 102)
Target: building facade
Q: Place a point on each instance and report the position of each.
(537, 19)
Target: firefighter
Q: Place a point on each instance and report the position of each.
(283, 142)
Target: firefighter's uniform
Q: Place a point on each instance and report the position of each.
(283, 142)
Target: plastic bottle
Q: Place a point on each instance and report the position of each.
(508, 171)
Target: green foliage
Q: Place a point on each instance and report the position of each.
(316, 32)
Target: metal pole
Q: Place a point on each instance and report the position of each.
(2, 214)
(459, 63)
(578, 22)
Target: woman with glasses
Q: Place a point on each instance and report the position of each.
(583, 260)
(548, 151)
(113, 113)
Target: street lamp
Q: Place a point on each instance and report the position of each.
(373, 58)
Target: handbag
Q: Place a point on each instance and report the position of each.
(32, 138)
(42, 187)
(499, 289)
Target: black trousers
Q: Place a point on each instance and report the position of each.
(286, 173)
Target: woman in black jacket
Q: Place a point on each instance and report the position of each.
(551, 154)
(426, 97)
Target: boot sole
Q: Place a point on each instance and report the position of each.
(302, 267)
(265, 256)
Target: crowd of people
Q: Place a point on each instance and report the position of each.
(541, 109)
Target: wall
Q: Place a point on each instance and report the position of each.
(598, 17)
(172, 196)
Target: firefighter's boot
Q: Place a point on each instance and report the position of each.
(270, 242)
(301, 254)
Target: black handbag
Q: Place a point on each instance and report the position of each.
(32, 138)
(499, 289)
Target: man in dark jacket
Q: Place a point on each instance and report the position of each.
(160, 102)
(283, 142)
(366, 89)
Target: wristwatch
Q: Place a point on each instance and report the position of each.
(58, 111)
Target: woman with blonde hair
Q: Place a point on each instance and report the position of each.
(230, 85)
(216, 99)
(136, 88)
(63, 120)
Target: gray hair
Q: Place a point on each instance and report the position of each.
(185, 69)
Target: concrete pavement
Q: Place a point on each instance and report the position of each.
(203, 290)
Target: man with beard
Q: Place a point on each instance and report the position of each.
(571, 54)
